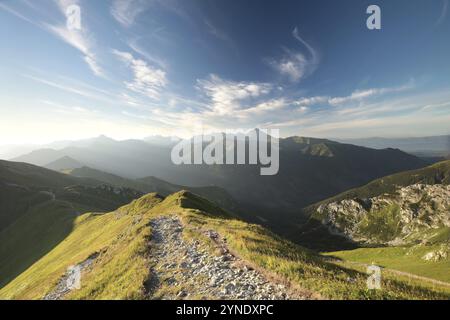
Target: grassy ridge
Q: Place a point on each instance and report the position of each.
(122, 267)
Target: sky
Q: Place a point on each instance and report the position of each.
(176, 67)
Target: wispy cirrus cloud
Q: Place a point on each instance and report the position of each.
(221, 35)
(295, 64)
(444, 12)
(83, 91)
(355, 97)
(360, 95)
(147, 80)
(12, 11)
(126, 11)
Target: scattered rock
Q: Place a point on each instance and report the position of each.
(437, 255)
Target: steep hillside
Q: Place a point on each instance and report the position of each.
(125, 254)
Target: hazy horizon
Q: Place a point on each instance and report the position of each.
(48, 142)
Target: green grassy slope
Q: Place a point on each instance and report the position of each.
(121, 269)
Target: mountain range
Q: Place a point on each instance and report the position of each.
(310, 169)
(427, 147)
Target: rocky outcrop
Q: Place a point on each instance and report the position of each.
(441, 254)
(389, 218)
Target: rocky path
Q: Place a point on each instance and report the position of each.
(183, 270)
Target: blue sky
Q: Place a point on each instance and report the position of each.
(172, 67)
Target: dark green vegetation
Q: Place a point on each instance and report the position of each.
(119, 242)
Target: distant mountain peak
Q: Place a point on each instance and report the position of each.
(64, 163)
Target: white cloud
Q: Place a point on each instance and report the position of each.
(295, 64)
(227, 96)
(263, 107)
(304, 102)
(148, 80)
(126, 11)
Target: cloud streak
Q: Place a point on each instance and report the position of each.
(295, 64)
